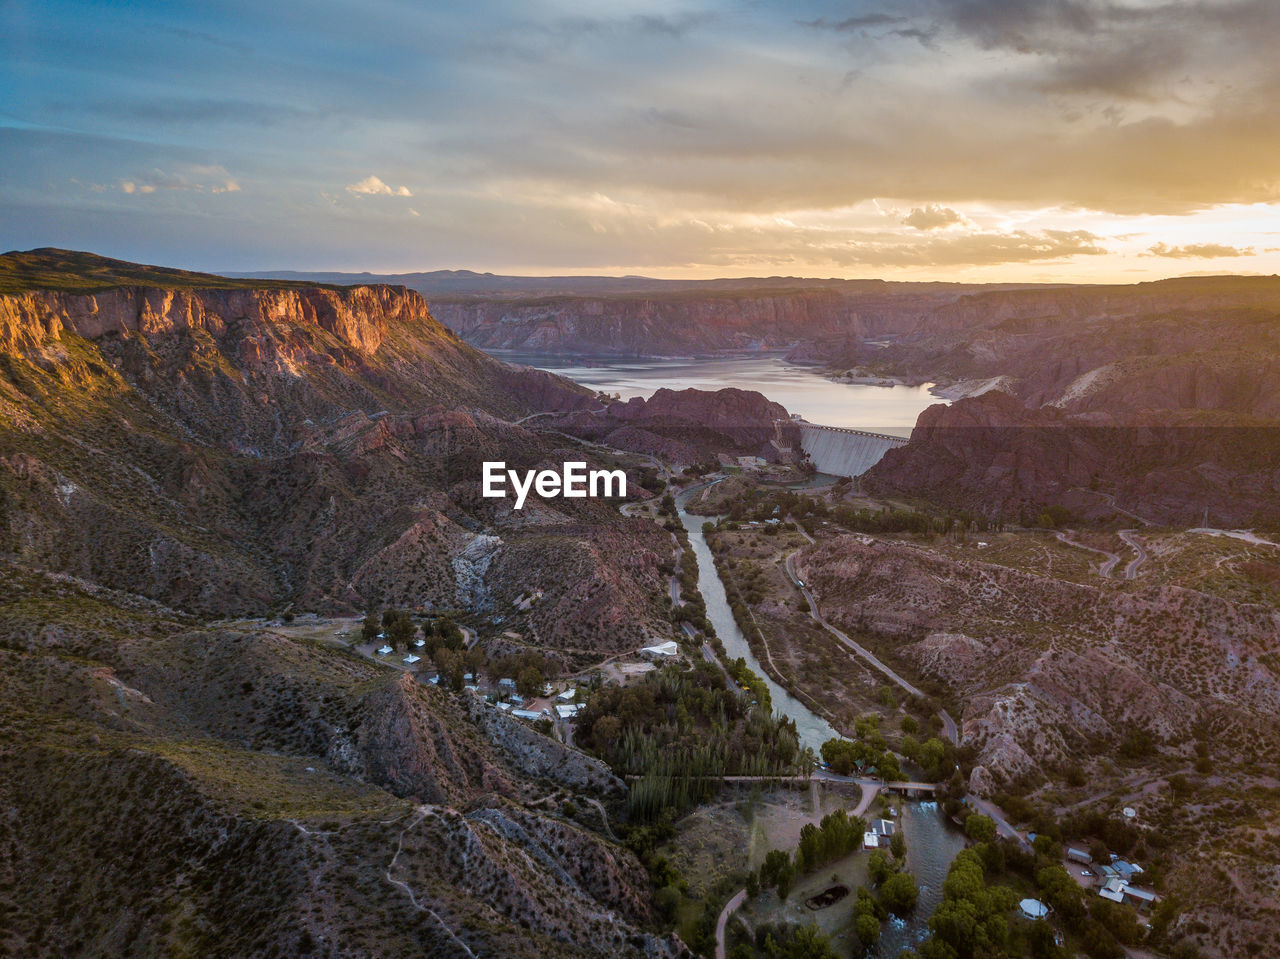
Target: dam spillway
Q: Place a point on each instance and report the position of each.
(841, 451)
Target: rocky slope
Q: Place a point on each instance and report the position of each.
(168, 789)
(231, 451)
(177, 453)
(689, 426)
(1050, 670)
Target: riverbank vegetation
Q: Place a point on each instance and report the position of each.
(676, 731)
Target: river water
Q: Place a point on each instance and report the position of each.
(801, 389)
(813, 729)
(932, 842)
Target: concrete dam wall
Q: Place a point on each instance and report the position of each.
(845, 452)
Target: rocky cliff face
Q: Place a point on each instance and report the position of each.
(649, 326)
(992, 453)
(229, 451)
(690, 426)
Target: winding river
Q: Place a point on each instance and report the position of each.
(932, 842)
(813, 729)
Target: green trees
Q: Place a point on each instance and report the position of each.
(838, 835)
(1061, 892)
(369, 628)
(898, 846)
(980, 828)
(899, 893)
(678, 731)
(401, 631)
(529, 681)
(866, 919)
(777, 872)
(868, 752)
(973, 919)
(785, 941)
(879, 868)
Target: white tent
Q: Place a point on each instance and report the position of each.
(669, 648)
(1033, 908)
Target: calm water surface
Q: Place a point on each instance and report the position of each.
(801, 389)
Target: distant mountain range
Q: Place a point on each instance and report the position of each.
(468, 283)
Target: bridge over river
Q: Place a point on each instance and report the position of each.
(841, 451)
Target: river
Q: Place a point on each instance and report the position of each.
(801, 389)
(932, 842)
(813, 729)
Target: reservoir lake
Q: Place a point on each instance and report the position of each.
(801, 389)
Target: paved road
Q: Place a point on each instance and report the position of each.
(1105, 569)
(1132, 541)
(949, 727)
(857, 648)
(1003, 826)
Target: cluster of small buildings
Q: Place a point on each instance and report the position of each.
(566, 708)
(1116, 879)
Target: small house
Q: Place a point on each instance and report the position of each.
(385, 651)
(1079, 855)
(1139, 898)
(411, 659)
(1113, 889)
(506, 682)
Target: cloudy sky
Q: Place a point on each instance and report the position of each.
(954, 139)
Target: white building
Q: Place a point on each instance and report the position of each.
(1033, 909)
(568, 694)
(662, 650)
(411, 659)
(385, 651)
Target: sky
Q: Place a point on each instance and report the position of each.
(974, 140)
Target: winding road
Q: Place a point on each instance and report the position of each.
(1104, 570)
(1131, 571)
